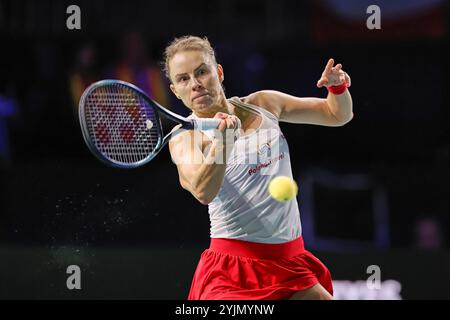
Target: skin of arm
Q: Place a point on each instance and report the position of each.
(201, 166)
(336, 110)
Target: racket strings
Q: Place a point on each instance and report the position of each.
(122, 125)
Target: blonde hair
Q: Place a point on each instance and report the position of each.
(187, 43)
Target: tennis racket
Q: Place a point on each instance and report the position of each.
(122, 126)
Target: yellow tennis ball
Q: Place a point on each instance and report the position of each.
(283, 188)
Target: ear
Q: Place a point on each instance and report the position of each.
(220, 73)
(172, 88)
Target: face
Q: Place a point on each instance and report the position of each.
(196, 80)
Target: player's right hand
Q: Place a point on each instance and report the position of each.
(228, 121)
(228, 124)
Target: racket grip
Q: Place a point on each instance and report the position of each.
(206, 124)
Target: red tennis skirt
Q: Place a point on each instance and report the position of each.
(241, 270)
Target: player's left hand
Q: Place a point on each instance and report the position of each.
(333, 76)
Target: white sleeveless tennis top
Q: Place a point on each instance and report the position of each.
(243, 209)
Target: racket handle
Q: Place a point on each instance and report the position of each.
(206, 124)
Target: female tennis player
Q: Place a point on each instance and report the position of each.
(256, 249)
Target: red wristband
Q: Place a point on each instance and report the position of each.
(338, 89)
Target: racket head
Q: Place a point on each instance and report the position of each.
(120, 124)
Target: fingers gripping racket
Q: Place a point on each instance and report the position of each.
(122, 127)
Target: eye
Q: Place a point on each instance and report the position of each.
(202, 72)
(183, 79)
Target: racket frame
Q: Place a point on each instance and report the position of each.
(187, 124)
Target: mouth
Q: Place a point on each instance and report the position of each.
(199, 96)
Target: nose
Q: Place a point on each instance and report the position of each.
(195, 84)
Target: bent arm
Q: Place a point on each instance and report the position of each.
(341, 106)
(335, 110)
(200, 174)
(202, 169)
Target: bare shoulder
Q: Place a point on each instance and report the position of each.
(270, 100)
(185, 142)
(181, 137)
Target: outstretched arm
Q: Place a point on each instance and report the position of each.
(335, 110)
(341, 104)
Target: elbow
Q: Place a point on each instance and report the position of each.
(204, 198)
(200, 196)
(203, 193)
(204, 202)
(348, 119)
(344, 121)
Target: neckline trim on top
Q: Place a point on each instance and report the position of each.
(236, 101)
